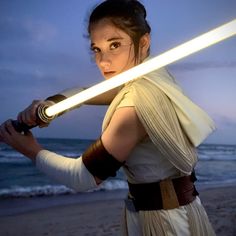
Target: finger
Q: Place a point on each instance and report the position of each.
(30, 118)
(1, 134)
(27, 117)
(9, 127)
(21, 116)
(4, 129)
(4, 133)
(31, 114)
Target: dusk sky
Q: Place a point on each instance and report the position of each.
(44, 49)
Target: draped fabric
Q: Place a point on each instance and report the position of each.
(175, 125)
(183, 221)
(194, 121)
(162, 125)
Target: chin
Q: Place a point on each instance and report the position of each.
(109, 76)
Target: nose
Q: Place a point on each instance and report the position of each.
(104, 61)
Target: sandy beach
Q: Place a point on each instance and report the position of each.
(98, 213)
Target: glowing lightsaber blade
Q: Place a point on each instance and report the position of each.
(205, 40)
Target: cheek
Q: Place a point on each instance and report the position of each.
(128, 58)
(129, 62)
(122, 62)
(131, 58)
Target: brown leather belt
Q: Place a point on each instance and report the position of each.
(166, 194)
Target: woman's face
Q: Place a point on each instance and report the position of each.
(113, 48)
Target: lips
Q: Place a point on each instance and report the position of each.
(109, 73)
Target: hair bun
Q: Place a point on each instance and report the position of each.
(138, 8)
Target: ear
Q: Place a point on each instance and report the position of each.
(144, 45)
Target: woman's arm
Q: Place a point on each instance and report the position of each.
(104, 99)
(104, 157)
(29, 115)
(124, 132)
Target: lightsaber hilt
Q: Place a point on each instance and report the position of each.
(42, 119)
(42, 116)
(46, 114)
(192, 46)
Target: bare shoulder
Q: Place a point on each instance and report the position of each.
(123, 133)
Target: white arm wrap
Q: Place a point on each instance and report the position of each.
(67, 171)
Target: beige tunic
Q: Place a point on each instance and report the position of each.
(167, 152)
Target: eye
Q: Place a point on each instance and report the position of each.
(115, 45)
(95, 49)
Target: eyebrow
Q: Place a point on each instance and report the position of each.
(110, 40)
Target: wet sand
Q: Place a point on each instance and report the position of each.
(98, 213)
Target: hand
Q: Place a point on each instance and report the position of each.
(23, 143)
(29, 115)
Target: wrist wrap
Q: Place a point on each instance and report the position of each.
(99, 162)
(56, 98)
(67, 171)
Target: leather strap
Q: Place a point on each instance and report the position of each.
(166, 194)
(99, 162)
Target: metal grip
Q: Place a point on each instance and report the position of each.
(42, 116)
(42, 119)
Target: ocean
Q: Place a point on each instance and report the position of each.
(20, 178)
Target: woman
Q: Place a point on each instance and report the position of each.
(150, 129)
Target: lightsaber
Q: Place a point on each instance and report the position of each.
(205, 40)
(48, 113)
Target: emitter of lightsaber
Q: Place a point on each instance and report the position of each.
(46, 114)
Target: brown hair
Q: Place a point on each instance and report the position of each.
(127, 15)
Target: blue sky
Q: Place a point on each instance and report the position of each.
(44, 49)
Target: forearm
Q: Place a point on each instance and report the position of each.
(67, 171)
(83, 173)
(104, 99)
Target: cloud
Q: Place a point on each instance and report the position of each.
(225, 132)
(191, 66)
(225, 122)
(52, 61)
(40, 31)
(38, 56)
(10, 77)
(11, 30)
(27, 31)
